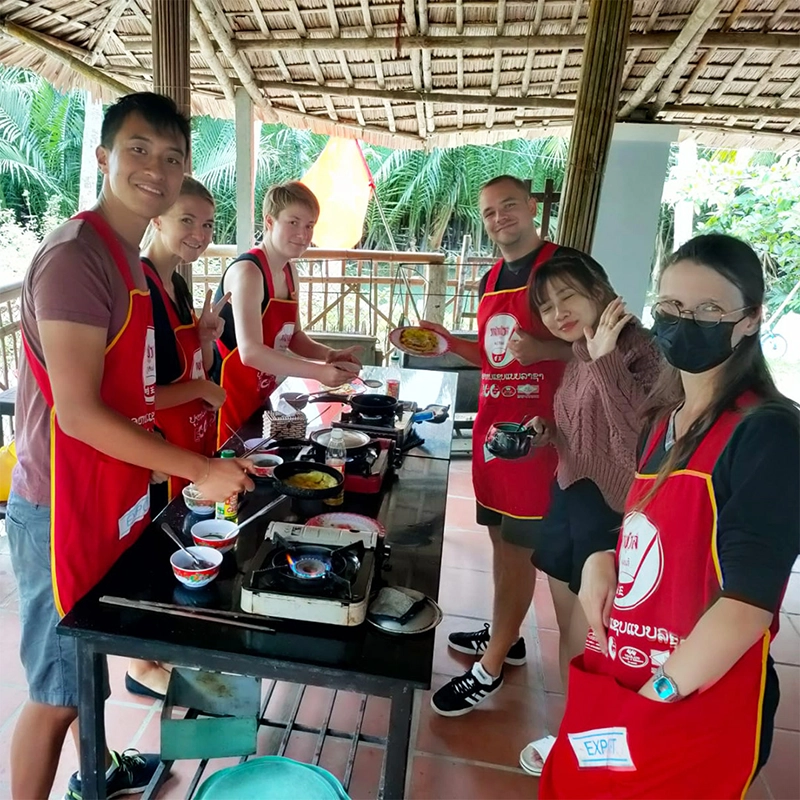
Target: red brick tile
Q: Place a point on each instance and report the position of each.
(548, 642)
(467, 550)
(786, 647)
(461, 514)
(180, 776)
(466, 592)
(314, 706)
(445, 779)
(117, 667)
(367, 769)
(11, 699)
(494, 733)
(554, 703)
(460, 485)
(124, 724)
(794, 621)
(376, 717)
(543, 604)
(788, 714)
(791, 601)
(11, 671)
(781, 772)
(345, 714)
(758, 790)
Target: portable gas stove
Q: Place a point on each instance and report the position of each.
(363, 473)
(397, 427)
(312, 574)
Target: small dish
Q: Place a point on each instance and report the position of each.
(348, 522)
(264, 464)
(188, 574)
(195, 503)
(217, 534)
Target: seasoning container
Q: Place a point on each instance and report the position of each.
(229, 508)
(336, 456)
(393, 376)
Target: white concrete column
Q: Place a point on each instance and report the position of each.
(630, 200)
(683, 226)
(92, 124)
(245, 171)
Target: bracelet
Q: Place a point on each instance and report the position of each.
(208, 472)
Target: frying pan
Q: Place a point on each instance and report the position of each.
(286, 470)
(374, 405)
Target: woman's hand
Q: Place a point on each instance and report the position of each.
(598, 587)
(349, 355)
(525, 348)
(543, 429)
(603, 340)
(436, 328)
(224, 477)
(210, 325)
(335, 375)
(211, 393)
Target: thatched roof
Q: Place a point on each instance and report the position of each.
(411, 73)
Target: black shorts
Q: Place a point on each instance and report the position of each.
(580, 523)
(521, 532)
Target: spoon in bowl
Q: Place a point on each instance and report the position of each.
(198, 562)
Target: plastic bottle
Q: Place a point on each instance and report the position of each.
(336, 456)
(229, 508)
(393, 376)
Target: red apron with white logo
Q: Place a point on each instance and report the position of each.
(190, 425)
(614, 743)
(510, 392)
(249, 389)
(100, 505)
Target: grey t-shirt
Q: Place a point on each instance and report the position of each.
(72, 278)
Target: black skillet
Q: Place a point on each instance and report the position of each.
(374, 406)
(289, 468)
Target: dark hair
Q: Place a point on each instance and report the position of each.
(156, 109)
(745, 370)
(580, 272)
(523, 186)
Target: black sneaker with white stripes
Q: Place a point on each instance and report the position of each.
(460, 695)
(474, 643)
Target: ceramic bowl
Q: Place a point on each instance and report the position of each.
(509, 440)
(188, 574)
(218, 534)
(195, 503)
(264, 464)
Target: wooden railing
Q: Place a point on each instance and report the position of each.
(10, 333)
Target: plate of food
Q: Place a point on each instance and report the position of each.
(348, 522)
(419, 341)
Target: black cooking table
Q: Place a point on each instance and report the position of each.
(361, 659)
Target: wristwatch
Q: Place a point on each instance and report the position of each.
(665, 687)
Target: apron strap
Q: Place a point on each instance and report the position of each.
(111, 241)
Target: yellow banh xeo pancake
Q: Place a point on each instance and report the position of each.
(419, 340)
(312, 480)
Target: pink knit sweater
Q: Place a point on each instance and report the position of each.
(597, 413)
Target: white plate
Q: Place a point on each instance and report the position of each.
(442, 345)
(347, 521)
(426, 619)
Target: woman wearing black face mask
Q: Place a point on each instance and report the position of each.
(675, 694)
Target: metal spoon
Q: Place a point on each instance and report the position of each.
(277, 501)
(370, 383)
(198, 562)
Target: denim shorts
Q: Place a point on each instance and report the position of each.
(50, 660)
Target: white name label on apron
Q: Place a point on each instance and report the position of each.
(602, 747)
(134, 514)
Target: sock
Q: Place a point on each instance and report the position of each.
(482, 675)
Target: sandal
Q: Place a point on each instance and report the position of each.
(533, 756)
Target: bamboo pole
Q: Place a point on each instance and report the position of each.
(209, 53)
(76, 65)
(699, 17)
(593, 124)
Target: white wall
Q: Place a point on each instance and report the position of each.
(630, 199)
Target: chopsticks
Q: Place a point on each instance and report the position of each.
(234, 618)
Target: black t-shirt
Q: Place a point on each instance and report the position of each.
(169, 366)
(756, 483)
(515, 274)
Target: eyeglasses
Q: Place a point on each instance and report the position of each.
(706, 315)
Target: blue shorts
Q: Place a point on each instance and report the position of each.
(50, 660)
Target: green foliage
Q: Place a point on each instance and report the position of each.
(758, 201)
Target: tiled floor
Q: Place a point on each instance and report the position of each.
(463, 758)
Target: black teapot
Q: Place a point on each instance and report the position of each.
(509, 440)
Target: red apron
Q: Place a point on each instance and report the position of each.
(510, 392)
(190, 425)
(99, 505)
(249, 389)
(614, 743)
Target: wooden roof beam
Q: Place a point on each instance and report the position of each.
(97, 43)
(209, 52)
(703, 10)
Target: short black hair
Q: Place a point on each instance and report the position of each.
(157, 109)
(522, 185)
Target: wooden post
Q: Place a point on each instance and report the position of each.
(547, 207)
(593, 122)
(436, 278)
(171, 66)
(461, 283)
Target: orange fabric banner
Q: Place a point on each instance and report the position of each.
(342, 183)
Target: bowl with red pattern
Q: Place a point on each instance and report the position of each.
(218, 534)
(188, 574)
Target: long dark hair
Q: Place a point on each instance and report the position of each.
(579, 272)
(745, 370)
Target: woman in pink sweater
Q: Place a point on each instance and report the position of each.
(596, 428)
